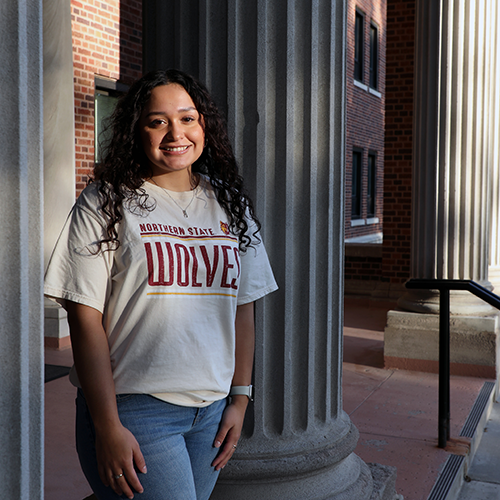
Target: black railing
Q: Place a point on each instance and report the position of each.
(444, 287)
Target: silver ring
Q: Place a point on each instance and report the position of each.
(118, 476)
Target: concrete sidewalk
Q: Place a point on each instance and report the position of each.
(482, 480)
(395, 412)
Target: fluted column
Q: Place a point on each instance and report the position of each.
(452, 149)
(455, 117)
(494, 138)
(59, 144)
(21, 251)
(278, 69)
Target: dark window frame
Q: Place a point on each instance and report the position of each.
(359, 46)
(357, 184)
(371, 191)
(374, 55)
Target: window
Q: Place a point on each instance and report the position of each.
(107, 93)
(371, 184)
(373, 56)
(104, 106)
(357, 156)
(358, 46)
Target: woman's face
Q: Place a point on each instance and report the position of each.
(171, 131)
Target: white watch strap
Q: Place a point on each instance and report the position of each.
(242, 390)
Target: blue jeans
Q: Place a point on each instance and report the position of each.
(176, 441)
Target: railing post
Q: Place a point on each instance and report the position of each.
(444, 368)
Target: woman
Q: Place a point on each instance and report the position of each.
(158, 266)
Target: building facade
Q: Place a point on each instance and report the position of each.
(365, 93)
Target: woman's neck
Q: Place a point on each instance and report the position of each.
(176, 181)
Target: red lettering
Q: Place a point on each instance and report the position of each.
(161, 265)
(149, 228)
(210, 269)
(227, 266)
(182, 271)
(195, 268)
(142, 227)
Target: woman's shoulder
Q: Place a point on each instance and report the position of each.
(89, 196)
(90, 200)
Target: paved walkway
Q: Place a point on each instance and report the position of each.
(394, 410)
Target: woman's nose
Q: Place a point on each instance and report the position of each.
(174, 131)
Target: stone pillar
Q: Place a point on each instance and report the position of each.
(278, 67)
(453, 151)
(494, 138)
(21, 251)
(59, 145)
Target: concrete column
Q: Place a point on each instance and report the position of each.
(59, 145)
(278, 67)
(494, 138)
(451, 209)
(453, 151)
(21, 251)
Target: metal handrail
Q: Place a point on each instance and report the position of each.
(444, 287)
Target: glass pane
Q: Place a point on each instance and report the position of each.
(104, 107)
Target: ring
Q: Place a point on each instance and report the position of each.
(118, 476)
(234, 446)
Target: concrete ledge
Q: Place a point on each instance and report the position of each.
(56, 328)
(411, 342)
(428, 366)
(57, 343)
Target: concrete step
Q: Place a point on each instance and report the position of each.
(482, 480)
(454, 479)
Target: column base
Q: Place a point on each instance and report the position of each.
(411, 342)
(331, 472)
(56, 329)
(462, 303)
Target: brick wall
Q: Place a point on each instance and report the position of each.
(107, 42)
(398, 140)
(365, 113)
(363, 262)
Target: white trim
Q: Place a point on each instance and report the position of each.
(375, 92)
(358, 222)
(372, 220)
(375, 238)
(360, 85)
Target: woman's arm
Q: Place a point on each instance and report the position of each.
(117, 449)
(234, 414)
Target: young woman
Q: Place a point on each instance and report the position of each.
(158, 266)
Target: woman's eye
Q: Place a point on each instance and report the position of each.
(157, 123)
(188, 119)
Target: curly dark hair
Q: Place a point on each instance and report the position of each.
(121, 174)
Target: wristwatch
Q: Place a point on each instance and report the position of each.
(242, 390)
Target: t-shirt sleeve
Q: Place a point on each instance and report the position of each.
(257, 277)
(78, 271)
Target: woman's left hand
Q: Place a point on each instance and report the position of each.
(230, 430)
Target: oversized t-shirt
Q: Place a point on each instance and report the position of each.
(168, 294)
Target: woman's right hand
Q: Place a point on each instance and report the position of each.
(117, 453)
(116, 447)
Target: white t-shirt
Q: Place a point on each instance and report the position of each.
(168, 294)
